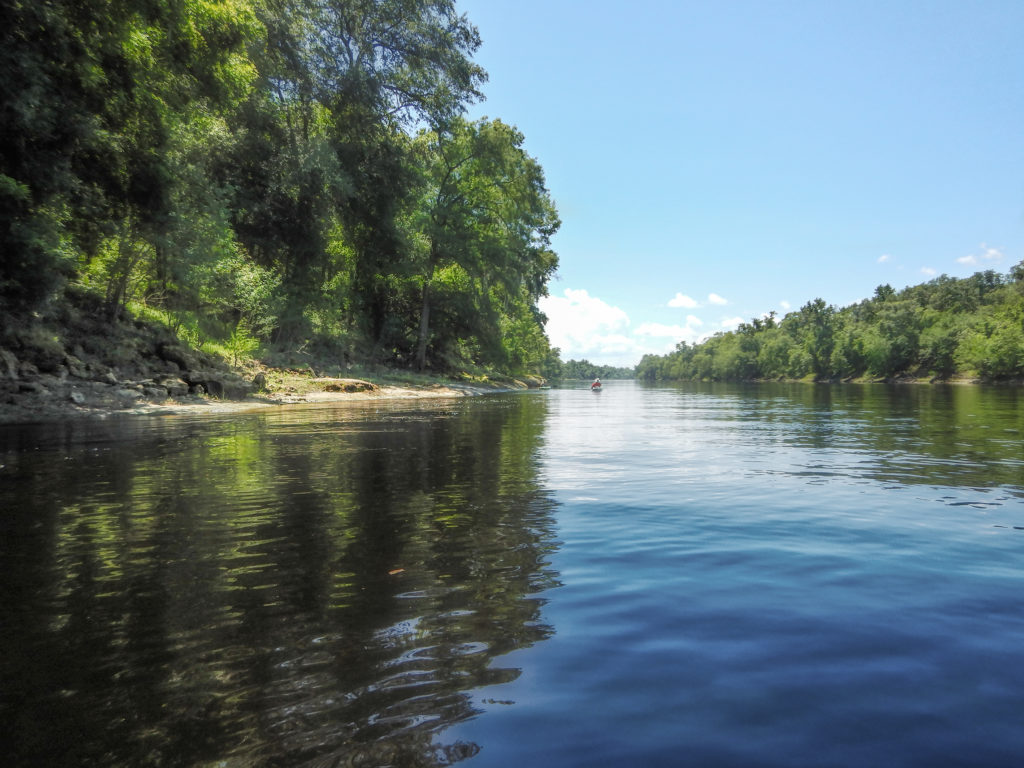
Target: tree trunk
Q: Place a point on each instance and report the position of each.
(421, 352)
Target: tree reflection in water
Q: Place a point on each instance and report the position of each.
(909, 434)
(316, 587)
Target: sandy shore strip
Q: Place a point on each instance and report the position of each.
(340, 391)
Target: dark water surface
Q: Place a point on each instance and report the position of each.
(775, 575)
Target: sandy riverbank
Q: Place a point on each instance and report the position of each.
(84, 364)
(44, 407)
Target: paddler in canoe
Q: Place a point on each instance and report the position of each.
(596, 386)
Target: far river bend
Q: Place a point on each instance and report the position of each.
(703, 575)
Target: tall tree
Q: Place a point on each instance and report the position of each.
(325, 150)
(816, 323)
(488, 215)
(92, 96)
(394, 63)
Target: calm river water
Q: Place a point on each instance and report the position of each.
(774, 575)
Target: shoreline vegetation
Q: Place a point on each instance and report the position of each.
(58, 402)
(291, 182)
(87, 366)
(191, 187)
(956, 330)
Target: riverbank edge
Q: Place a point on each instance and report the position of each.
(958, 380)
(57, 402)
(77, 363)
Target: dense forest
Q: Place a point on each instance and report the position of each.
(584, 369)
(261, 174)
(940, 329)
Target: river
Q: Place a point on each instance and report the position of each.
(703, 575)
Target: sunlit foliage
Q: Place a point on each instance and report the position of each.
(272, 170)
(970, 326)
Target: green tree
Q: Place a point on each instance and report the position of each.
(816, 325)
(391, 64)
(94, 94)
(248, 168)
(893, 344)
(848, 356)
(773, 356)
(487, 215)
(938, 344)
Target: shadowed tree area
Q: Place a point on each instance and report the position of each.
(272, 174)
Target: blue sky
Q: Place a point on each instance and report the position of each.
(714, 161)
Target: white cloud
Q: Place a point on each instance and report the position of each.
(659, 339)
(928, 271)
(683, 301)
(660, 331)
(578, 320)
(584, 326)
(884, 258)
(993, 255)
(714, 298)
(610, 349)
(785, 305)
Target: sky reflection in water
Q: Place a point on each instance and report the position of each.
(706, 575)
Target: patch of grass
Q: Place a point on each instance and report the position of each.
(238, 349)
(294, 370)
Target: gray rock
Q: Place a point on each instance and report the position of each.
(259, 382)
(51, 382)
(174, 387)
(28, 370)
(129, 394)
(155, 393)
(34, 387)
(177, 354)
(76, 367)
(234, 387)
(220, 385)
(214, 387)
(50, 360)
(8, 365)
(197, 389)
(210, 382)
(76, 397)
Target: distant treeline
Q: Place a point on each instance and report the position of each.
(946, 327)
(289, 172)
(584, 369)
